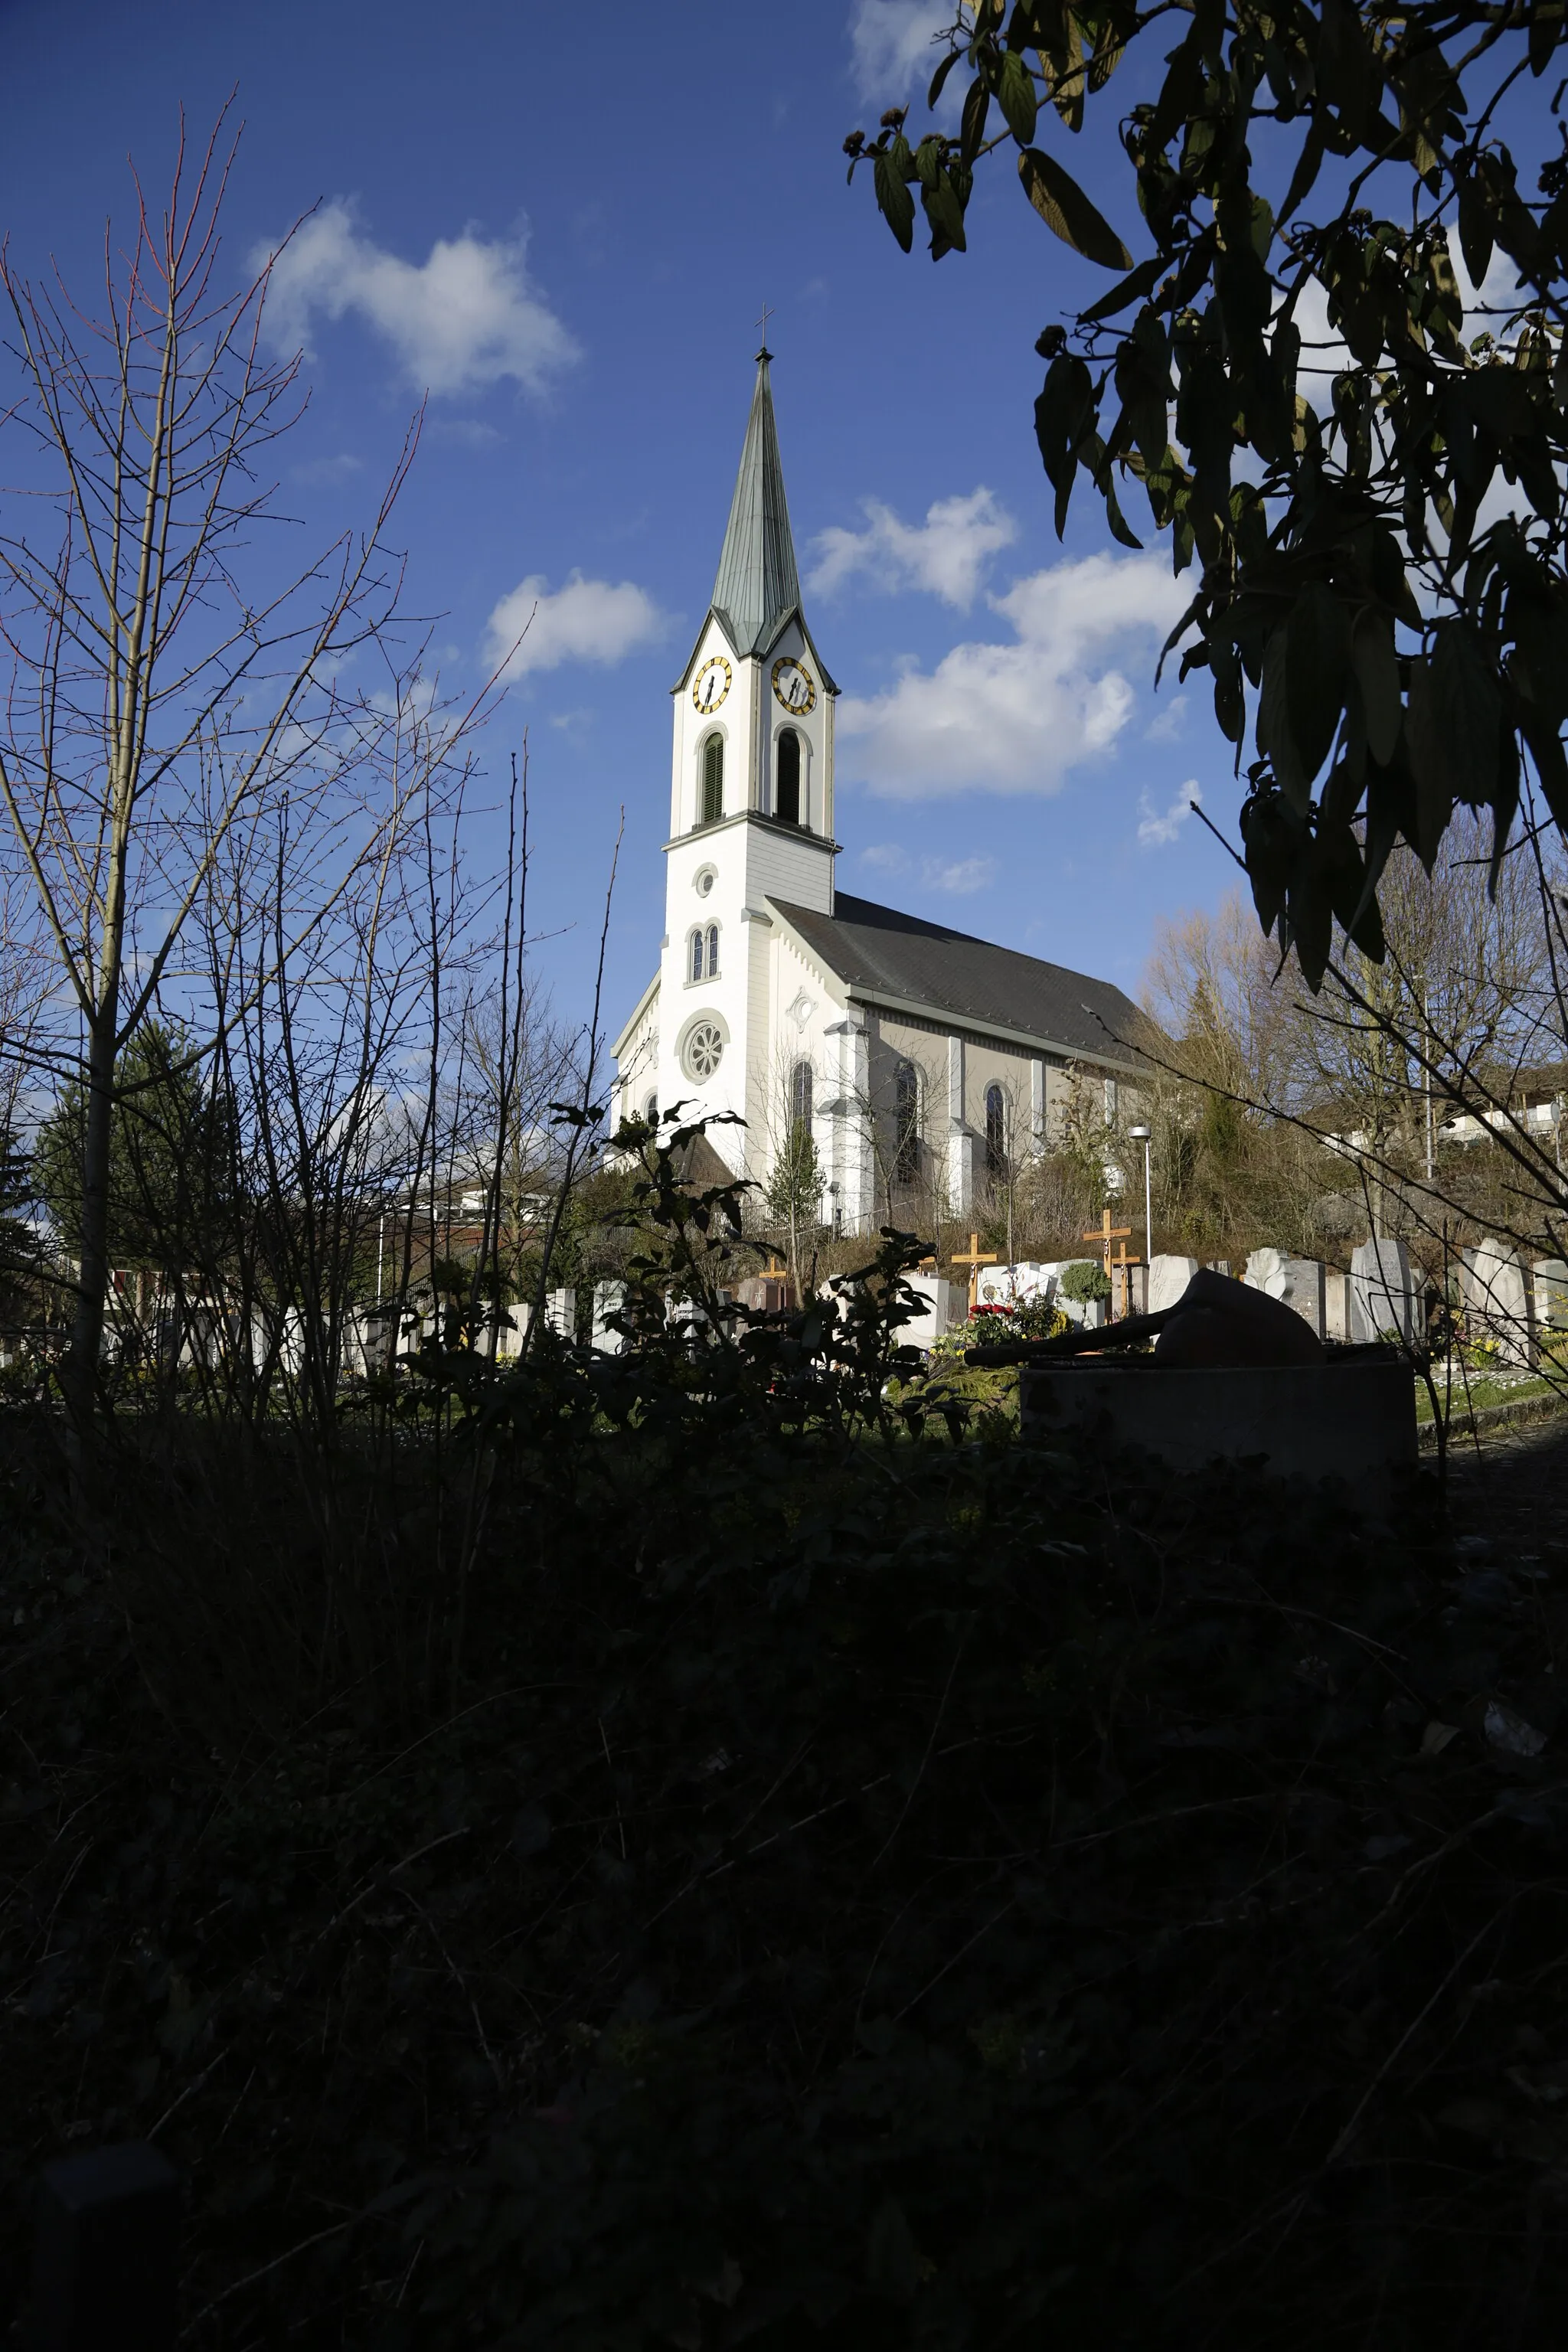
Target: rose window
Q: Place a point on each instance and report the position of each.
(704, 1050)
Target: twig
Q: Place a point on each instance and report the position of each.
(193, 2085)
(925, 1759)
(277, 2262)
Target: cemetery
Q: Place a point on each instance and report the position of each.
(733, 1616)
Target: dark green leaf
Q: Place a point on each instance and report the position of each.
(1317, 642)
(1546, 32)
(1377, 678)
(971, 126)
(939, 78)
(1475, 229)
(1428, 762)
(1469, 710)
(897, 205)
(1063, 206)
(1015, 96)
(1141, 281)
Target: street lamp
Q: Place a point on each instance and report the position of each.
(1141, 1135)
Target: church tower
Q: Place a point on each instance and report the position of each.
(920, 1061)
(750, 807)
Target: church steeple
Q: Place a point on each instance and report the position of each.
(758, 587)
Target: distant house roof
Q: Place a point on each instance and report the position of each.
(906, 962)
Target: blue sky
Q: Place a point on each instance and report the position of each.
(562, 226)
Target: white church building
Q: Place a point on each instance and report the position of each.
(919, 1055)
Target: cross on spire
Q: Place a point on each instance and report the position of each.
(762, 325)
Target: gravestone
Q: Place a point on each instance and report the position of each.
(1502, 1299)
(1549, 1276)
(1168, 1277)
(946, 1305)
(561, 1312)
(510, 1330)
(609, 1297)
(1337, 1315)
(1128, 1289)
(1301, 1283)
(1383, 1294)
(106, 2253)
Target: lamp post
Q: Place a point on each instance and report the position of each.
(1141, 1135)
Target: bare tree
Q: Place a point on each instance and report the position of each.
(170, 687)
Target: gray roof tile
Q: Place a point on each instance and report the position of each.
(876, 951)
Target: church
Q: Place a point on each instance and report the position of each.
(920, 1059)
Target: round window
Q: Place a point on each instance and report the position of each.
(704, 1050)
(705, 881)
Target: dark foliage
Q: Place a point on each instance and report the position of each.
(857, 1891)
(1397, 642)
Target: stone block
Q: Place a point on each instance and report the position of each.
(1382, 1293)
(1168, 1277)
(946, 1306)
(1337, 1315)
(1500, 1298)
(1299, 1282)
(1550, 1280)
(1350, 1422)
(609, 1297)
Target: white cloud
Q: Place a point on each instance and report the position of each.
(963, 876)
(886, 857)
(1018, 717)
(1169, 724)
(1155, 831)
(892, 42)
(946, 555)
(466, 317)
(321, 470)
(586, 620)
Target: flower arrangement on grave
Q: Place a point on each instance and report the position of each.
(1026, 1318)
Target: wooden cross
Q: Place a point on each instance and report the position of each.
(1105, 1235)
(974, 1257)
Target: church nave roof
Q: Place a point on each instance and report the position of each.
(879, 952)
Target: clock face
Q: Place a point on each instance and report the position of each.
(794, 684)
(713, 683)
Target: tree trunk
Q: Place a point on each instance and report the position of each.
(87, 1328)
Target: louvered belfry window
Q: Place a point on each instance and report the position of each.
(713, 780)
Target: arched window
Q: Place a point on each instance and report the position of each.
(800, 1088)
(787, 772)
(650, 1111)
(694, 967)
(713, 780)
(995, 1130)
(712, 950)
(906, 1124)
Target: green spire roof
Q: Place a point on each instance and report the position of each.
(758, 586)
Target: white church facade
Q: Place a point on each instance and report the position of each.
(919, 1055)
